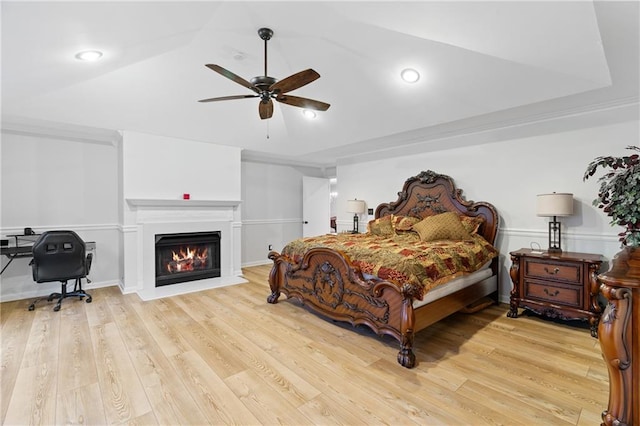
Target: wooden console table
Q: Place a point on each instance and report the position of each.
(618, 335)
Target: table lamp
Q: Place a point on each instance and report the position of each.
(554, 205)
(357, 208)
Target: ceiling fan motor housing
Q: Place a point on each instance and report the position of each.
(263, 82)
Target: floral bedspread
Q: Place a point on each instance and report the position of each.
(403, 258)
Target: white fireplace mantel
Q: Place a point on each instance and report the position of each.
(149, 217)
(156, 202)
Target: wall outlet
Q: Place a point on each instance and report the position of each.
(370, 211)
(270, 247)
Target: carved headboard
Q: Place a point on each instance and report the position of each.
(430, 193)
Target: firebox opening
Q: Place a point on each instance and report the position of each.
(187, 257)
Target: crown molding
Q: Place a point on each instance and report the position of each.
(478, 131)
(62, 131)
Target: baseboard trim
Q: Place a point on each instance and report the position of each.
(39, 291)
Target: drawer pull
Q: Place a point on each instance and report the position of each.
(555, 271)
(548, 293)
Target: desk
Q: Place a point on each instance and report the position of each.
(13, 253)
(22, 248)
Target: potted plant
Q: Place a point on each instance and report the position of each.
(619, 194)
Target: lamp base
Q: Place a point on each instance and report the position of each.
(554, 237)
(355, 224)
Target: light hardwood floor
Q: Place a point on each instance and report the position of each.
(226, 356)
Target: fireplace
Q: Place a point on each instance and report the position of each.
(186, 257)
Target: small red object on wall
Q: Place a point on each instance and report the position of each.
(186, 196)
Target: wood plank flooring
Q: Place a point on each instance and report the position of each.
(226, 356)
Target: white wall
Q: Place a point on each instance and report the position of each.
(165, 168)
(272, 209)
(59, 182)
(509, 174)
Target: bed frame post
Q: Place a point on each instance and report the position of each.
(406, 357)
(274, 279)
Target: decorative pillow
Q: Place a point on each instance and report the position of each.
(381, 226)
(404, 223)
(443, 226)
(471, 223)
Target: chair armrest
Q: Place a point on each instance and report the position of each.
(34, 270)
(88, 263)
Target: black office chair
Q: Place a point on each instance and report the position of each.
(61, 256)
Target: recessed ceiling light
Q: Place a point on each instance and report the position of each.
(410, 75)
(308, 113)
(89, 55)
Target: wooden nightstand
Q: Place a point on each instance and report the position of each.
(557, 285)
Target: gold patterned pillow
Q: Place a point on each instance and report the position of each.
(404, 223)
(471, 223)
(443, 226)
(381, 226)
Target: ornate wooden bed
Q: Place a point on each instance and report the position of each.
(327, 282)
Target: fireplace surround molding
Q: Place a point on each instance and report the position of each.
(145, 218)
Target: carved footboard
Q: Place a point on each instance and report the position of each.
(327, 283)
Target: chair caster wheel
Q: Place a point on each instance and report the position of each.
(56, 308)
(32, 307)
(89, 299)
(49, 299)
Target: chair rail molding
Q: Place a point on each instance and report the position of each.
(160, 202)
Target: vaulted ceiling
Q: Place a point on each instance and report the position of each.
(484, 66)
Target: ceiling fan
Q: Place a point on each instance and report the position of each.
(267, 88)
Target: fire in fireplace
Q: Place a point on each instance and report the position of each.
(187, 257)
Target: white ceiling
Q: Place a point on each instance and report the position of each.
(484, 65)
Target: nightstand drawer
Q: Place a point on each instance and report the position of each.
(566, 272)
(567, 296)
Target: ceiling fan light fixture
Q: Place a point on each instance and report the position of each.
(409, 75)
(309, 114)
(89, 55)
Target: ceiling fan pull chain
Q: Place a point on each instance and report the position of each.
(267, 129)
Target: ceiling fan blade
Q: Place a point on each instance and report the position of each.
(294, 81)
(228, 98)
(303, 102)
(232, 76)
(265, 109)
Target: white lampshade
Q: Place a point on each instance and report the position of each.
(555, 204)
(355, 206)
